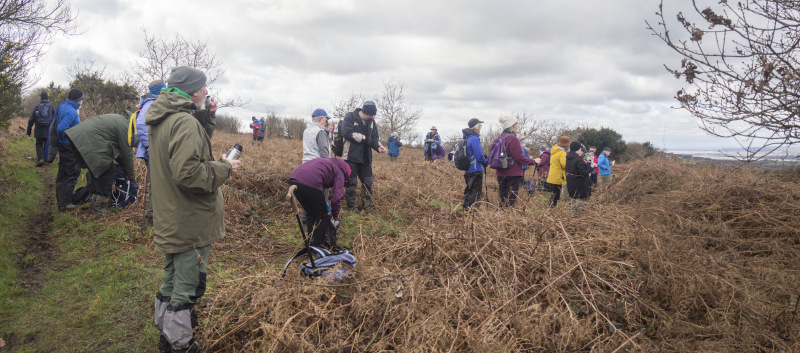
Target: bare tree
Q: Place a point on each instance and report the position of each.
(31, 25)
(741, 64)
(395, 115)
(346, 105)
(275, 126)
(547, 132)
(294, 127)
(161, 55)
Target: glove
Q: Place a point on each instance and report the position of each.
(358, 137)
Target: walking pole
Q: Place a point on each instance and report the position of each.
(145, 201)
(486, 186)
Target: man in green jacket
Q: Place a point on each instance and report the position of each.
(99, 142)
(188, 206)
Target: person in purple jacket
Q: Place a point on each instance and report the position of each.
(312, 178)
(510, 178)
(143, 149)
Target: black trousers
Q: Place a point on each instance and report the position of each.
(363, 172)
(556, 194)
(318, 223)
(103, 184)
(40, 148)
(68, 172)
(474, 189)
(509, 189)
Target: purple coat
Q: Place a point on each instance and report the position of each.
(323, 173)
(514, 151)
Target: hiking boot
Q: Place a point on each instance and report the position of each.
(39, 163)
(99, 203)
(163, 345)
(67, 207)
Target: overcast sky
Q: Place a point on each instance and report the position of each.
(585, 62)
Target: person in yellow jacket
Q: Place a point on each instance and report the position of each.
(558, 164)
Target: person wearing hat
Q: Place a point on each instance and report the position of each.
(604, 165)
(558, 164)
(431, 139)
(262, 129)
(360, 134)
(473, 176)
(510, 178)
(254, 125)
(68, 168)
(544, 162)
(577, 173)
(315, 137)
(42, 115)
(98, 143)
(188, 208)
(595, 170)
(142, 151)
(394, 147)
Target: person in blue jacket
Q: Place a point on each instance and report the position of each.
(605, 166)
(68, 168)
(431, 139)
(394, 147)
(143, 150)
(473, 176)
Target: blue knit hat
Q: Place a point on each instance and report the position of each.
(369, 108)
(394, 134)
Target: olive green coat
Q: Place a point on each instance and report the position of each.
(188, 208)
(102, 140)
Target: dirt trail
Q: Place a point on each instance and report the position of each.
(38, 251)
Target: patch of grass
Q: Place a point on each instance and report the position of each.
(97, 284)
(20, 195)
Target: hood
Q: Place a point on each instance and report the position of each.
(166, 104)
(145, 98)
(343, 166)
(468, 132)
(573, 155)
(392, 138)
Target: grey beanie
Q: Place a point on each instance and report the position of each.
(187, 79)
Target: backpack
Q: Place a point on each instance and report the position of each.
(337, 147)
(51, 146)
(44, 114)
(461, 157)
(497, 154)
(133, 136)
(262, 127)
(325, 263)
(125, 189)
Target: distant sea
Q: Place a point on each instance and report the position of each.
(792, 155)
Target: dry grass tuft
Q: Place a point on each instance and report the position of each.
(671, 258)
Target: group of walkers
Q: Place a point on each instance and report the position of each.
(172, 132)
(566, 163)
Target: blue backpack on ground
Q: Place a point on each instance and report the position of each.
(325, 263)
(125, 189)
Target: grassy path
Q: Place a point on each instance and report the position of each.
(69, 282)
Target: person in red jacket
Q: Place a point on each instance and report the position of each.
(510, 178)
(254, 125)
